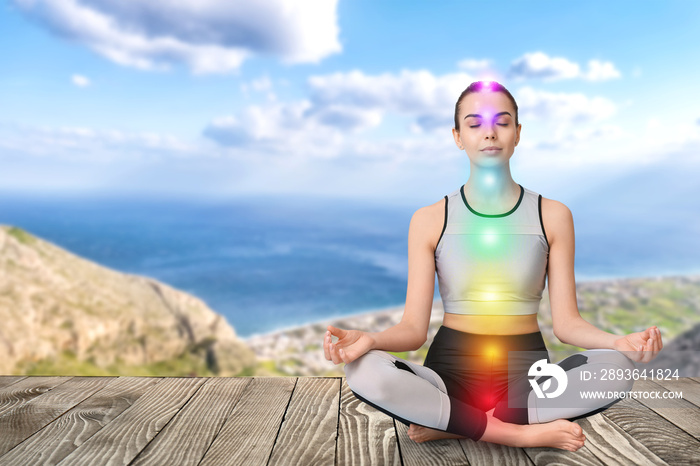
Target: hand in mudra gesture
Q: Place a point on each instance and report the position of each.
(351, 344)
(641, 346)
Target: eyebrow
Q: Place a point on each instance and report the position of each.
(496, 115)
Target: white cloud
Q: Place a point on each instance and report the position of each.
(347, 117)
(344, 105)
(80, 80)
(474, 65)
(601, 71)
(208, 36)
(539, 65)
(262, 84)
(562, 107)
(284, 149)
(83, 143)
(276, 128)
(413, 92)
(427, 98)
(341, 103)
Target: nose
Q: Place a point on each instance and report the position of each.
(490, 130)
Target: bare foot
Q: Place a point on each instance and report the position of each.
(561, 433)
(420, 434)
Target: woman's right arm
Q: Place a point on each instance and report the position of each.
(412, 332)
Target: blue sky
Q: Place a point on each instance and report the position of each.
(351, 98)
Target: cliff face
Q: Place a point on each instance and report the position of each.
(55, 303)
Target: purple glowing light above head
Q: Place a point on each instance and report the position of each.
(486, 85)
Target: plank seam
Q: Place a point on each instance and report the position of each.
(225, 420)
(398, 442)
(337, 424)
(284, 416)
(169, 421)
(18, 380)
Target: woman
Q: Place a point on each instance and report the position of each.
(491, 242)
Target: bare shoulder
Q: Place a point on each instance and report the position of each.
(556, 218)
(427, 223)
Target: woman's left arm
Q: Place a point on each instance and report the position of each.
(568, 325)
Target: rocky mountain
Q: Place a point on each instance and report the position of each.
(60, 313)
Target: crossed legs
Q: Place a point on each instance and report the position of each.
(416, 395)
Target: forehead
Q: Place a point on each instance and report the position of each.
(486, 102)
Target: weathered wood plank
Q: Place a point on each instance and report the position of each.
(435, 452)
(196, 425)
(488, 453)
(57, 440)
(6, 380)
(24, 390)
(365, 434)
(629, 432)
(310, 426)
(680, 412)
(249, 433)
(122, 439)
(548, 456)
(612, 445)
(40, 411)
(664, 439)
(689, 387)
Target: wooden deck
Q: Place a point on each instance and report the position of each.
(294, 421)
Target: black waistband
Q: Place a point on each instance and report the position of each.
(450, 337)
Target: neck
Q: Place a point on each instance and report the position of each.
(491, 186)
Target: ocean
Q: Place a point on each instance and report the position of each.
(269, 263)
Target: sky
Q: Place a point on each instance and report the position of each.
(349, 99)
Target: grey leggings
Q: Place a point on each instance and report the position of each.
(464, 375)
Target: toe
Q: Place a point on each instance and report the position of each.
(576, 429)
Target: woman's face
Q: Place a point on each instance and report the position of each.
(487, 119)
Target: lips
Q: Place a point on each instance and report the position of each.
(491, 148)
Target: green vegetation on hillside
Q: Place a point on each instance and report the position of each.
(190, 363)
(21, 235)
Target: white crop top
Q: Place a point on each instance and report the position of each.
(492, 264)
